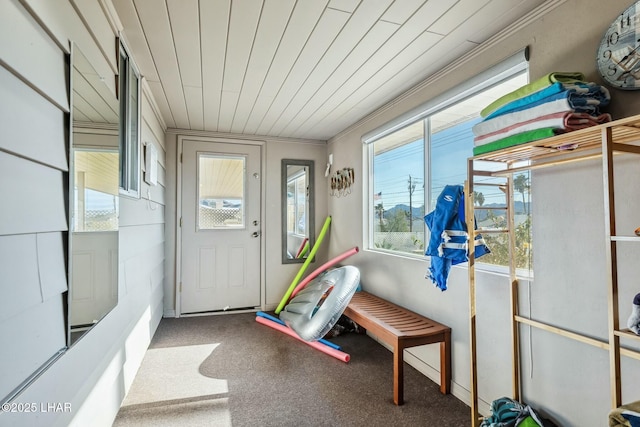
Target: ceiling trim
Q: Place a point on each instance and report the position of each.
(516, 26)
(242, 137)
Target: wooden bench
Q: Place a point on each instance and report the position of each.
(401, 328)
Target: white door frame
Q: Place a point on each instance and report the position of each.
(178, 229)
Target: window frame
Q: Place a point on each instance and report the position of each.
(511, 67)
(130, 146)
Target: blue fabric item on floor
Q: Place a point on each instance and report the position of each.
(448, 243)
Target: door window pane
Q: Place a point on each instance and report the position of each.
(220, 191)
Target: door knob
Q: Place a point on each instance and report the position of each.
(255, 234)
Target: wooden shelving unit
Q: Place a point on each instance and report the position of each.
(603, 141)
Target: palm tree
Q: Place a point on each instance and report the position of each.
(478, 198)
(380, 213)
(521, 185)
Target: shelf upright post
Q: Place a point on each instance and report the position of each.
(470, 219)
(611, 263)
(513, 290)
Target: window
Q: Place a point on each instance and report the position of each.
(414, 157)
(129, 93)
(95, 200)
(221, 190)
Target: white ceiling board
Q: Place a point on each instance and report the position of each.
(500, 14)
(273, 21)
(323, 35)
(193, 98)
(154, 18)
(242, 30)
(228, 104)
(136, 39)
(346, 5)
(387, 52)
(399, 12)
(214, 21)
(455, 17)
(163, 105)
(184, 17)
(300, 68)
(348, 39)
(340, 104)
(303, 20)
(374, 38)
(98, 24)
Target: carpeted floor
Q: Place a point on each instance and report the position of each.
(229, 370)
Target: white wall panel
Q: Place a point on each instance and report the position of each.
(29, 341)
(139, 212)
(33, 197)
(51, 264)
(21, 107)
(19, 278)
(32, 53)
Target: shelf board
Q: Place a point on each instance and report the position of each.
(623, 131)
(625, 238)
(627, 333)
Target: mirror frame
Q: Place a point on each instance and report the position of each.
(283, 206)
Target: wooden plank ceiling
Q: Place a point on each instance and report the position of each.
(298, 68)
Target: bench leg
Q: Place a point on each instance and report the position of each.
(398, 375)
(445, 364)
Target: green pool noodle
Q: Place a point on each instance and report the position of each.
(296, 279)
(304, 251)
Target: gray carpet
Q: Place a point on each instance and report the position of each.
(261, 377)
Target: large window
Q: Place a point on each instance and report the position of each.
(410, 165)
(129, 94)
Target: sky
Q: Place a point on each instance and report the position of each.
(450, 149)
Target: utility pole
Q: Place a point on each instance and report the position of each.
(412, 187)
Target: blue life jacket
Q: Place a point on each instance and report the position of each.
(449, 240)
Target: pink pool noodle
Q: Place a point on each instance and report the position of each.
(340, 355)
(302, 245)
(322, 268)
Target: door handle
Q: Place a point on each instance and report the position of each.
(255, 234)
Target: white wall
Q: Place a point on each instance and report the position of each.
(569, 380)
(94, 375)
(276, 276)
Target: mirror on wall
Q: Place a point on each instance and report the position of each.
(94, 178)
(298, 207)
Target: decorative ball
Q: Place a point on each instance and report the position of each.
(637, 231)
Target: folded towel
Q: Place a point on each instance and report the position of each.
(566, 121)
(542, 82)
(510, 141)
(586, 89)
(567, 101)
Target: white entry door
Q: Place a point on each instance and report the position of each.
(220, 226)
